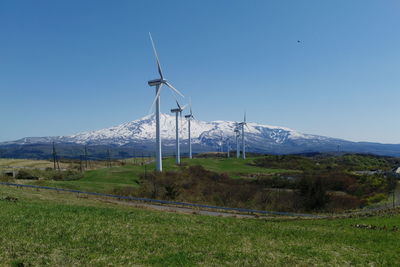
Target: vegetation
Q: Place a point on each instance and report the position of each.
(41, 228)
(127, 173)
(331, 182)
(29, 163)
(346, 162)
(317, 182)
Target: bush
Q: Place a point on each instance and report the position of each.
(341, 202)
(313, 193)
(68, 175)
(23, 174)
(196, 184)
(376, 198)
(125, 191)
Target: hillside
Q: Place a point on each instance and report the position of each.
(293, 183)
(52, 229)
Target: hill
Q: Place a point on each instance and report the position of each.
(56, 229)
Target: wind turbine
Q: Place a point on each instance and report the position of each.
(177, 111)
(243, 123)
(158, 83)
(189, 117)
(237, 140)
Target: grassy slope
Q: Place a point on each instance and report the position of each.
(105, 179)
(234, 167)
(46, 228)
(5, 163)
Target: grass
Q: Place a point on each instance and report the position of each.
(102, 180)
(28, 163)
(235, 168)
(49, 229)
(106, 179)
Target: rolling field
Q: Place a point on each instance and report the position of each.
(106, 179)
(28, 163)
(44, 228)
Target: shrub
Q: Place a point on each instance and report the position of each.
(23, 174)
(313, 193)
(340, 202)
(376, 198)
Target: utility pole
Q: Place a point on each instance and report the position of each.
(80, 163)
(54, 157)
(394, 196)
(109, 158)
(86, 157)
(55, 160)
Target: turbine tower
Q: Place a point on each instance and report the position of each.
(158, 83)
(237, 140)
(243, 124)
(177, 111)
(189, 117)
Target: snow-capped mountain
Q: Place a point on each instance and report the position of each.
(143, 130)
(206, 136)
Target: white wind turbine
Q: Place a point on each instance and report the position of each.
(243, 124)
(237, 132)
(158, 83)
(189, 117)
(177, 111)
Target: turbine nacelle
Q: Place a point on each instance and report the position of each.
(190, 116)
(156, 82)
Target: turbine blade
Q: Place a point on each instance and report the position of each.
(173, 89)
(190, 105)
(182, 108)
(155, 99)
(156, 55)
(177, 103)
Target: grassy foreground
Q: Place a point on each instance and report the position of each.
(57, 229)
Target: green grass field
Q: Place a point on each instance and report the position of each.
(47, 228)
(107, 179)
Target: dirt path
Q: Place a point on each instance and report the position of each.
(183, 210)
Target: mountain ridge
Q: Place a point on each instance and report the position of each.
(206, 136)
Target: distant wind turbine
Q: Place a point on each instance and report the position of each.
(158, 83)
(243, 124)
(177, 111)
(189, 117)
(237, 132)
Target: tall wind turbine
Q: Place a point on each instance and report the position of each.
(237, 132)
(177, 111)
(158, 83)
(243, 124)
(189, 117)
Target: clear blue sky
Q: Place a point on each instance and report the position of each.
(71, 66)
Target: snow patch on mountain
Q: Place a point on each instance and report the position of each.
(144, 130)
(204, 133)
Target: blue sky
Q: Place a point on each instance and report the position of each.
(71, 66)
